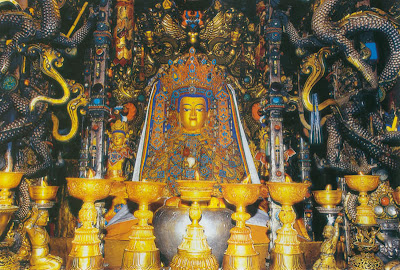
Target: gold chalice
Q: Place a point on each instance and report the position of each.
(328, 199)
(85, 253)
(194, 251)
(141, 252)
(363, 184)
(287, 253)
(240, 253)
(8, 180)
(43, 195)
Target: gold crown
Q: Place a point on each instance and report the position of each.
(119, 126)
(191, 74)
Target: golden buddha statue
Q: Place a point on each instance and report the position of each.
(35, 228)
(328, 248)
(118, 154)
(193, 125)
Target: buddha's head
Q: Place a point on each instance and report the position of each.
(118, 139)
(328, 232)
(119, 134)
(193, 113)
(43, 218)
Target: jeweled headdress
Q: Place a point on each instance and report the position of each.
(119, 126)
(193, 77)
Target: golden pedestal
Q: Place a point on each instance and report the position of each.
(240, 254)
(287, 253)
(85, 253)
(194, 251)
(363, 184)
(141, 252)
(366, 224)
(8, 181)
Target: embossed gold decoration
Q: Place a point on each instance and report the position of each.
(363, 184)
(240, 253)
(286, 253)
(194, 251)
(141, 252)
(8, 180)
(85, 252)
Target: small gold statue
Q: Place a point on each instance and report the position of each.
(328, 247)
(118, 153)
(35, 227)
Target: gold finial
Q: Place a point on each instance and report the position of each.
(167, 4)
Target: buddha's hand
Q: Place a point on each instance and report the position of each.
(339, 220)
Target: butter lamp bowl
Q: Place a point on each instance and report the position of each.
(43, 194)
(328, 198)
(241, 194)
(192, 190)
(89, 189)
(9, 180)
(288, 193)
(144, 192)
(362, 183)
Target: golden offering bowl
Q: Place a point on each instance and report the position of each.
(241, 194)
(287, 193)
(144, 192)
(192, 190)
(362, 183)
(43, 194)
(5, 216)
(89, 189)
(8, 180)
(328, 198)
(396, 195)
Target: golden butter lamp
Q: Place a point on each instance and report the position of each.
(240, 254)
(8, 181)
(363, 184)
(141, 252)
(194, 251)
(329, 200)
(287, 253)
(85, 253)
(43, 195)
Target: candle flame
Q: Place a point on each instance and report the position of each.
(247, 180)
(197, 176)
(90, 173)
(328, 187)
(288, 179)
(360, 173)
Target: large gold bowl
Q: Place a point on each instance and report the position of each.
(192, 190)
(328, 198)
(144, 192)
(288, 193)
(89, 189)
(362, 183)
(43, 194)
(9, 180)
(241, 194)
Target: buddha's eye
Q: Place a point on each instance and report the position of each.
(199, 109)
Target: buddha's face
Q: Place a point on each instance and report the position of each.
(192, 114)
(43, 218)
(118, 139)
